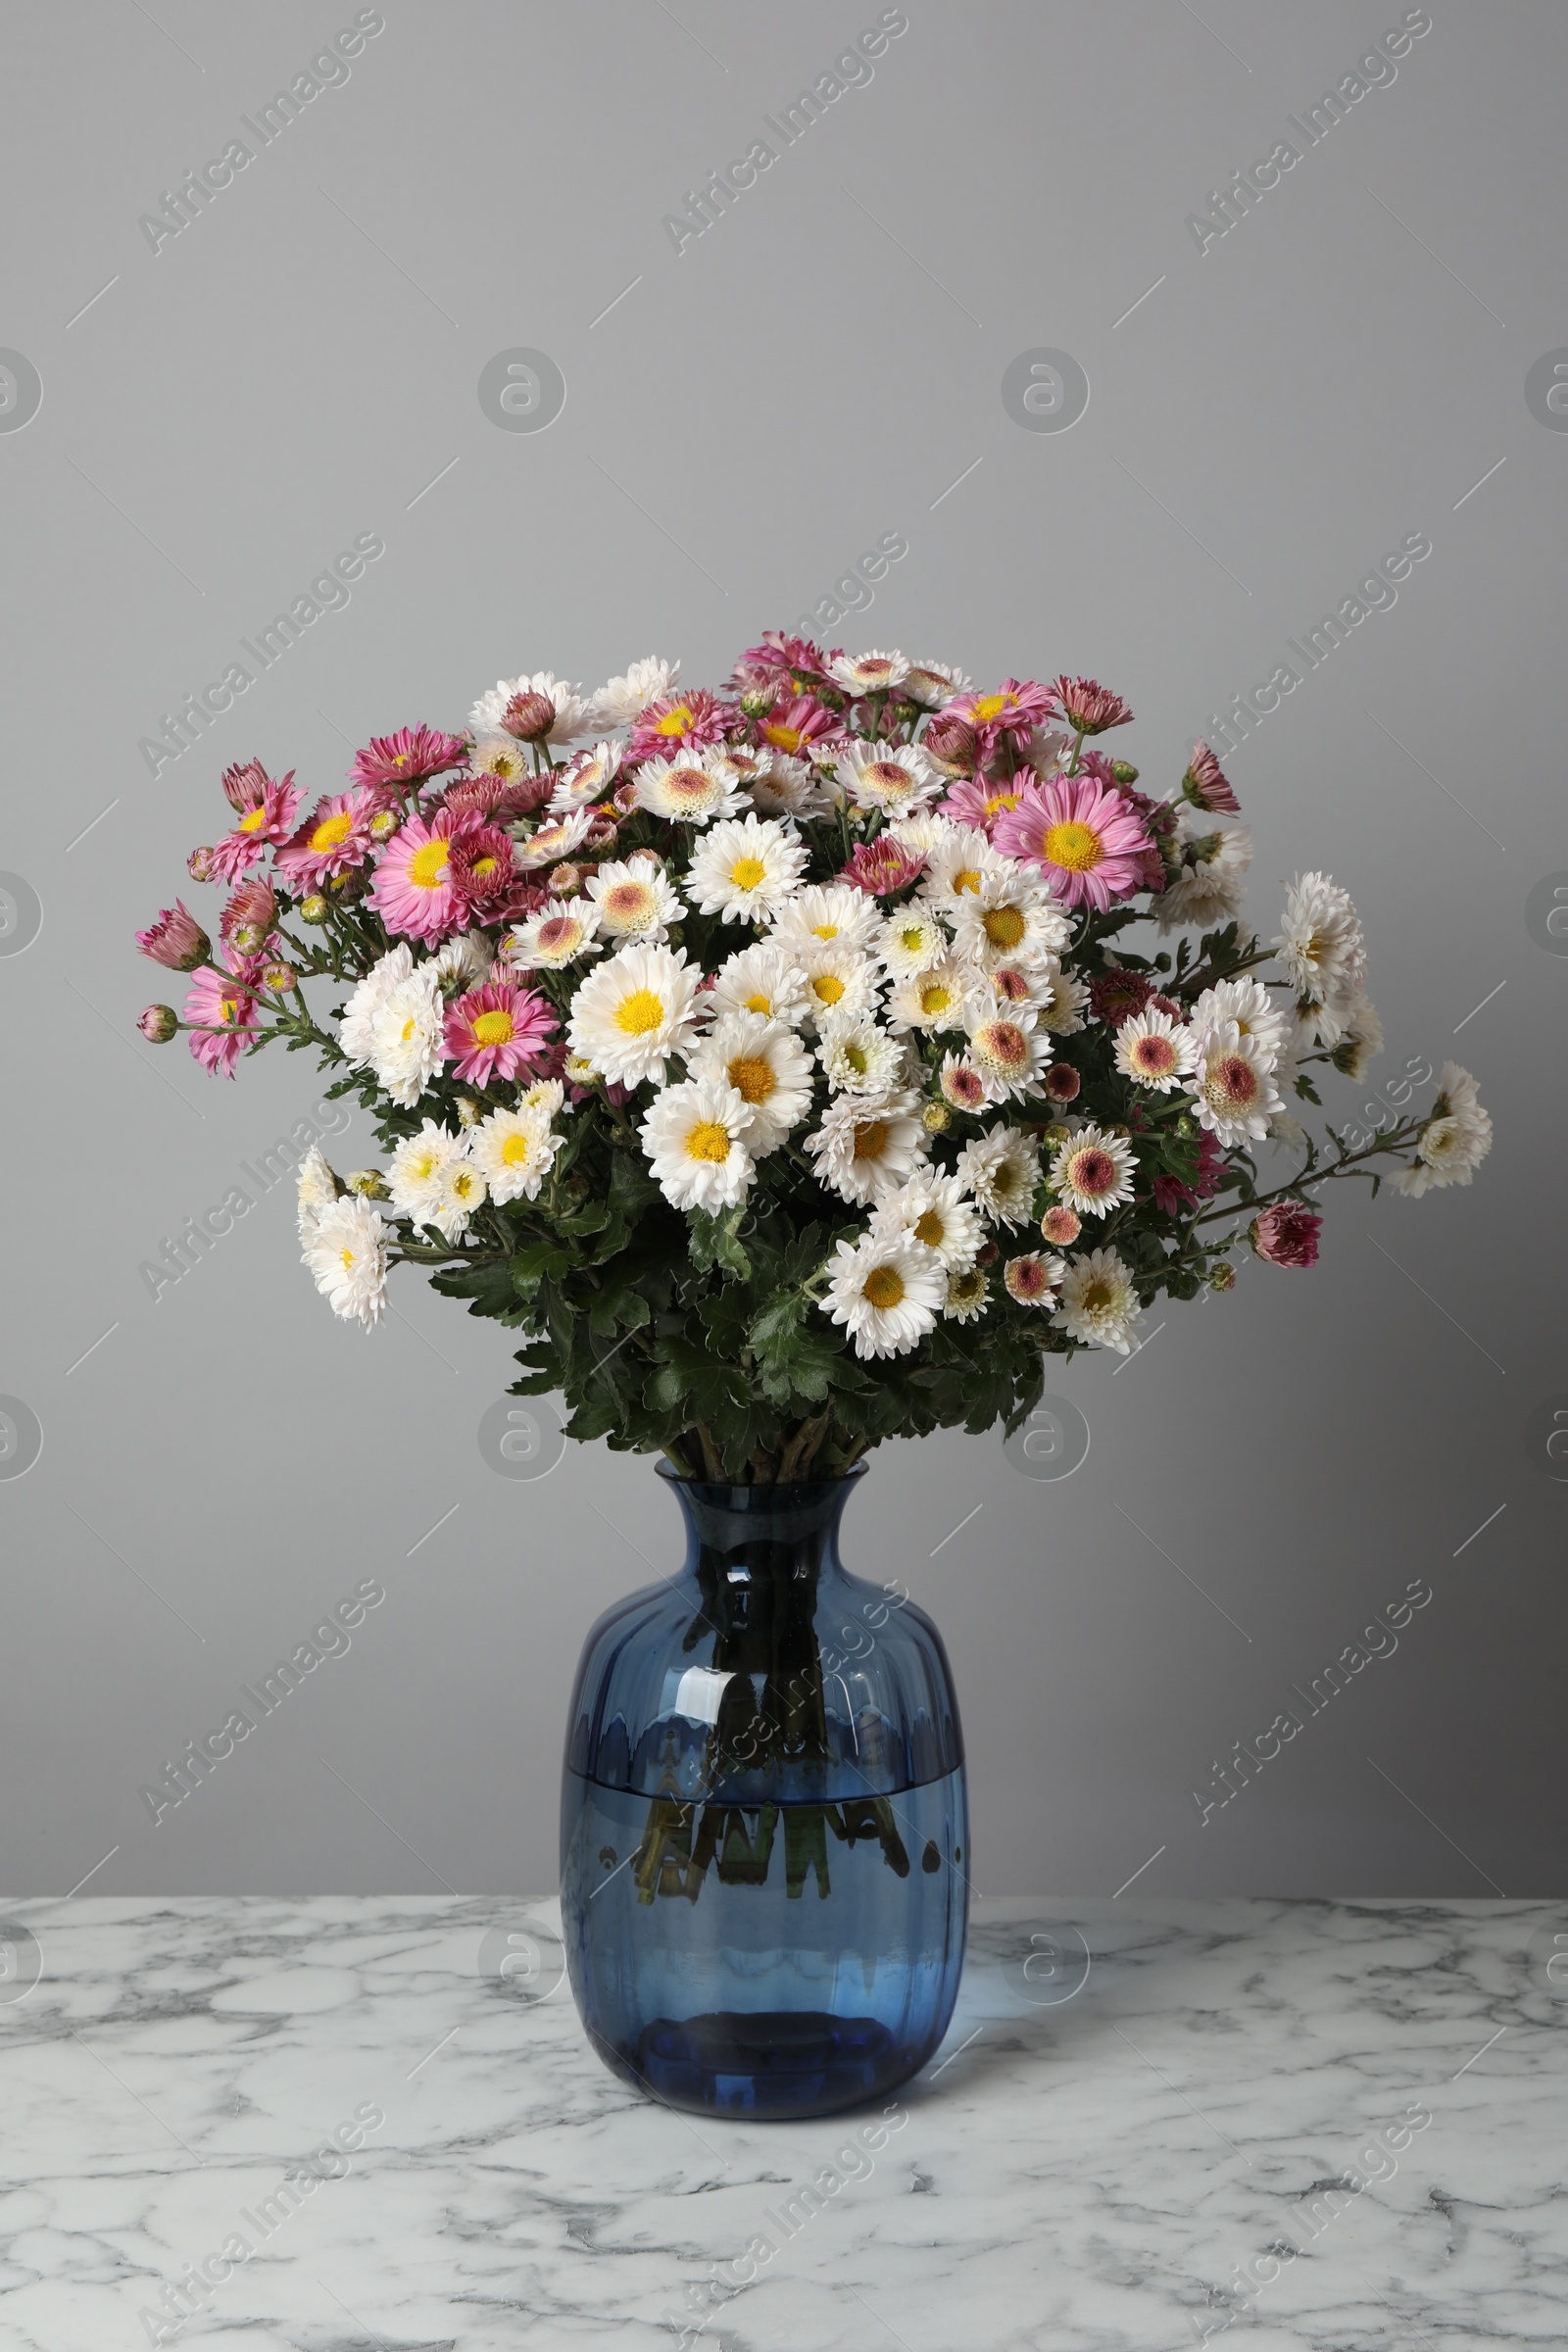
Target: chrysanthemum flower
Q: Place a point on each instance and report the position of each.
(1233, 1085)
(856, 1057)
(1247, 1003)
(407, 757)
(1360, 1039)
(347, 1255)
(765, 1063)
(513, 1150)
(880, 867)
(957, 861)
(461, 1189)
(952, 743)
(1205, 891)
(1455, 1139)
(938, 1211)
(556, 837)
(418, 1163)
(634, 899)
(1062, 1083)
(1320, 941)
(1002, 1169)
(867, 1145)
(932, 684)
(1090, 707)
(839, 982)
(316, 1189)
(538, 708)
(562, 931)
(502, 757)
(267, 812)
(623, 698)
(1061, 999)
(793, 726)
(1061, 1226)
(1098, 1301)
(930, 999)
(692, 789)
(335, 836)
(784, 787)
(760, 979)
(910, 940)
(633, 1012)
(827, 913)
(1005, 1052)
(894, 778)
(177, 940)
(961, 1084)
(497, 1031)
(968, 1296)
(745, 867)
(780, 659)
(680, 722)
(405, 1036)
(1009, 917)
(1032, 1280)
(1207, 782)
(868, 674)
(245, 925)
(1154, 1050)
(887, 1292)
(1286, 1234)
(1093, 1171)
(979, 801)
(1016, 708)
(1087, 839)
(586, 777)
(220, 1009)
(415, 891)
(695, 1135)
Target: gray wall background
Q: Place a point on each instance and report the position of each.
(1267, 419)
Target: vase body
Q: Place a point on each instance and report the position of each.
(764, 1836)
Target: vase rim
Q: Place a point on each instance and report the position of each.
(783, 1495)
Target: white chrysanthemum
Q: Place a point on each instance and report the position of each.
(695, 1135)
(318, 1190)
(513, 1150)
(1360, 1041)
(563, 930)
(834, 914)
(923, 832)
(556, 837)
(461, 1189)
(760, 979)
(1093, 1171)
(765, 1063)
(894, 777)
(633, 1012)
(911, 939)
(545, 1095)
(956, 863)
(839, 982)
(933, 683)
(691, 789)
(347, 1255)
(462, 964)
(635, 899)
(418, 1167)
(625, 697)
(932, 999)
(1008, 917)
(1154, 1050)
(355, 1032)
(1063, 1000)
(874, 672)
(1002, 1169)
(1320, 941)
(1455, 1139)
(856, 1057)
(587, 777)
(783, 786)
(1098, 1301)
(1234, 1086)
(887, 1290)
(867, 1145)
(1247, 1003)
(744, 868)
(938, 1211)
(989, 994)
(1005, 1048)
(406, 1037)
(571, 706)
(968, 1296)
(501, 755)
(1207, 890)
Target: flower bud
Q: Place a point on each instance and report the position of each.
(199, 865)
(384, 822)
(936, 1118)
(1124, 771)
(600, 834)
(368, 1182)
(1186, 1128)
(1062, 1081)
(757, 700)
(624, 798)
(566, 877)
(1060, 1227)
(1222, 1277)
(529, 716)
(952, 745)
(1058, 1133)
(313, 908)
(470, 1112)
(158, 1023)
(281, 978)
(348, 887)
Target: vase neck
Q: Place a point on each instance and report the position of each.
(762, 1538)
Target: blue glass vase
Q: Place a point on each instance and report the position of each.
(764, 1833)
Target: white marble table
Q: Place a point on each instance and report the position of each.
(1219, 2133)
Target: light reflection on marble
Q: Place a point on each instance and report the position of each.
(1081, 2169)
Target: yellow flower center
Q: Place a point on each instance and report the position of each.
(883, 1287)
(759, 1003)
(824, 930)
(709, 1141)
(871, 1140)
(1073, 846)
(518, 1151)
(1003, 927)
(1097, 1297)
(422, 1166)
(910, 938)
(855, 1057)
(347, 1255)
(967, 877)
(930, 1229)
(933, 997)
(639, 1012)
(990, 705)
(747, 872)
(252, 819)
(428, 867)
(408, 1028)
(752, 1077)
(228, 1006)
(888, 777)
(494, 1029)
(675, 722)
(786, 739)
(483, 867)
(331, 831)
(462, 1185)
(827, 988)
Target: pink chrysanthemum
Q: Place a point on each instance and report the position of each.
(1090, 707)
(493, 795)
(267, 812)
(680, 721)
(780, 660)
(952, 744)
(881, 867)
(246, 922)
(793, 727)
(498, 1031)
(1115, 997)
(980, 801)
(1032, 1279)
(1085, 838)
(407, 756)
(335, 836)
(415, 892)
(1207, 782)
(1286, 1234)
(482, 867)
(1016, 708)
(222, 1012)
(177, 940)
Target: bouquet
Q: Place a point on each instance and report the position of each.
(777, 1059)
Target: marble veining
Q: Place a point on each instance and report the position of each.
(1152, 2125)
